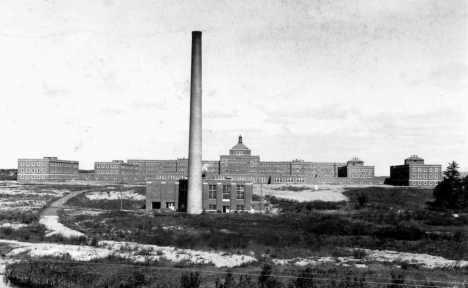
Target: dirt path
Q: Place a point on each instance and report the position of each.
(59, 204)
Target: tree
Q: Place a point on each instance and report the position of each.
(451, 192)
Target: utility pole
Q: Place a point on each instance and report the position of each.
(120, 188)
(261, 197)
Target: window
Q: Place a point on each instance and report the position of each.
(211, 191)
(414, 176)
(419, 176)
(22, 170)
(419, 170)
(212, 207)
(226, 191)
(240, 207)
(436, 176)
(33, 163)
(430, 176)
(240, 192)
(425, 176)
(436, 169)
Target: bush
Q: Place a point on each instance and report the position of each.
(191, 280)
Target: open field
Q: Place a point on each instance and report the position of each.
(302, 192)
(133, 198)
(390, 231)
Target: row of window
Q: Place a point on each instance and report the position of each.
(43, 163)
(43, 177)
(238, 207)
(240, 192)
(360, 170)
(424, 169)
(420, 183)
(38, 170)
(288, 180)
(359, 176)
(425, 176)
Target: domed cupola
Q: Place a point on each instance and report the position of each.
(239, 148)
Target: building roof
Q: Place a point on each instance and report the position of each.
(240, 145)
(414, 157)
(355, 159)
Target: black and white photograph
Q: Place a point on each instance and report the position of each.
(233, 143)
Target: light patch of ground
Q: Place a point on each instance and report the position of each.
(115, 195)
(26, 192)
(56, 228)
(324, 193)
(77, 212)
(13, 225)
(132, 251)
(387, 256)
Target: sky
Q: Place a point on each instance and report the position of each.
(317, 80)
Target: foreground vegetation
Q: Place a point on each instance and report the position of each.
(63, 273)
(303, 229)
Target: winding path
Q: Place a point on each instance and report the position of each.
(60, 203)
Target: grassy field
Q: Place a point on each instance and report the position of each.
(376, 218)
(303, 229)
(21, 205)
(119, 273)
(128, 203)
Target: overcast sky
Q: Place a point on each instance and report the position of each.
(318, 80)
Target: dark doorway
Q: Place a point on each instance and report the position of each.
(183, 187)
(156, 205)
(225, 209)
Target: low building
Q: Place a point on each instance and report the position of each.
(218, 195)
(415, 173)
(47, 169)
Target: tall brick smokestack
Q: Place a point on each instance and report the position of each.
(194, 200)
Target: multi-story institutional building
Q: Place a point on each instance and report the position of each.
(241, 165)
(218, 195)
(47, 169)
(415, 173)
(117, 170)
(355, 169)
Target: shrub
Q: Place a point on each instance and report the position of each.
(191, 280)
(359, 253)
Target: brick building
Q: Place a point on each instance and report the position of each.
(241, 165)
(47, 169)
(357, 172)
(218, 195)
(415, 173)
